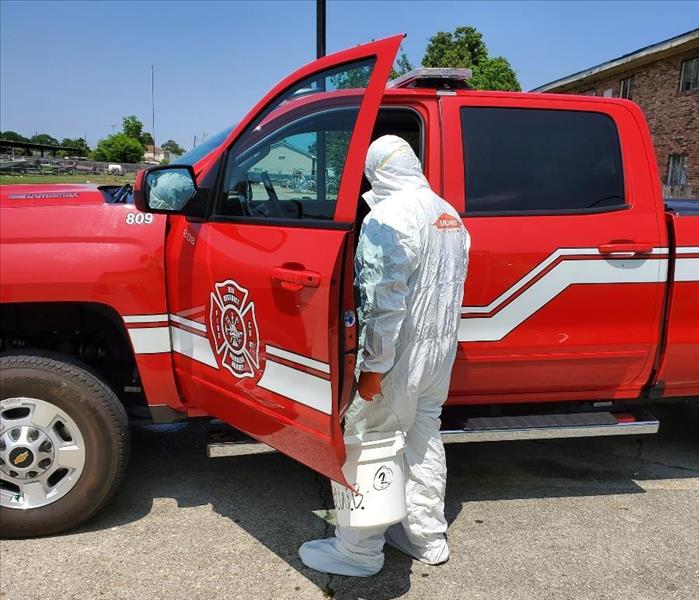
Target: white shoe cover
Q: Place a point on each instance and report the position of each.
(436, 553)
(326, 556)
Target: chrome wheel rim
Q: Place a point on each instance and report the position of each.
(42, 453)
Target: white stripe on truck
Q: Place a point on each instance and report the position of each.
(563, 275)
(150, 340)
(296, 385)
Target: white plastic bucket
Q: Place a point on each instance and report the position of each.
(374, 467)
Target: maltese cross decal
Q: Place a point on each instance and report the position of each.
(234, 328)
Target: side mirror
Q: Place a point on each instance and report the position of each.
(167, 189)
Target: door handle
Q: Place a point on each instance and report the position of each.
(294, 280)
(625, 249)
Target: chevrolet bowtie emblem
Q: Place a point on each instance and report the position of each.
(20, 458)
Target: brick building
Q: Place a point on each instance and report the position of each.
(663, 79)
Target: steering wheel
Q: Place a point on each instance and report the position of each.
(277, 209)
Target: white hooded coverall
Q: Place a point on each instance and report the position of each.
(171, 189)
(411, 263)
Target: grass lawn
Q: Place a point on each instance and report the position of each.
(82, 178)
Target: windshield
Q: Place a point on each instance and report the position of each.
(198, 152)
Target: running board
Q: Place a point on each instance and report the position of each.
(541, 427)
(225, 441)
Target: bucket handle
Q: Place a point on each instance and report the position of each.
(401, 429)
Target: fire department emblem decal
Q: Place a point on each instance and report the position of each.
(234, 328)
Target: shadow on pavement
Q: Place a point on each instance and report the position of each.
(282, 504)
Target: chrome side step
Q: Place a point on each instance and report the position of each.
(225, 441)
(541, 427)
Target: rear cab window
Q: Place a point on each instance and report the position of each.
(540, 161)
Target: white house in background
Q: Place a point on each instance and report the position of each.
(157, 154)
(285, 159)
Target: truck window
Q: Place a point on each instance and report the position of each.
(289, 163)
(519, 160)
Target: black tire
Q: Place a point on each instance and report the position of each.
(102, 421)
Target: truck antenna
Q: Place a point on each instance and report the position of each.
(152, 100)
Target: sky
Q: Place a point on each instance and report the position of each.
(74, 69)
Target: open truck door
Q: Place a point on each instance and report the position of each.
(260, 282)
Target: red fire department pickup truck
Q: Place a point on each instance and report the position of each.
(229, 294)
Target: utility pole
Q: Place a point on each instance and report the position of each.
(321, 166)
(320, 28)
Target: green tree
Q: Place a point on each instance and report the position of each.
(336, 147)
(495, 74)
(132, 127)
(173, 147)
(43, 138)
(13, 136)
(464, 47)
(118, 147)
(79, 144)
(337, 142)
(402, 65)
(351, 79)
(359, 77)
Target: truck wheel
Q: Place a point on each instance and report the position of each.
(64, 444)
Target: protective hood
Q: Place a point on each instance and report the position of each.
(391, 166)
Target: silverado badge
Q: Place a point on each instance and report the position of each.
(234, 328)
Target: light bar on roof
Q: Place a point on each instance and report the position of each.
(433, 77)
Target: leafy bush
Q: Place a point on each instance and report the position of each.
(118, 148)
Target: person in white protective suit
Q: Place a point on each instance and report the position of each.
(170, 189)
(411, 264)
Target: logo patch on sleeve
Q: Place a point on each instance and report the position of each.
(445, 221)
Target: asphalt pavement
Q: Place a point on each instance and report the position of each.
(600, 518)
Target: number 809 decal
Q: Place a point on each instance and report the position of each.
(139, 218)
